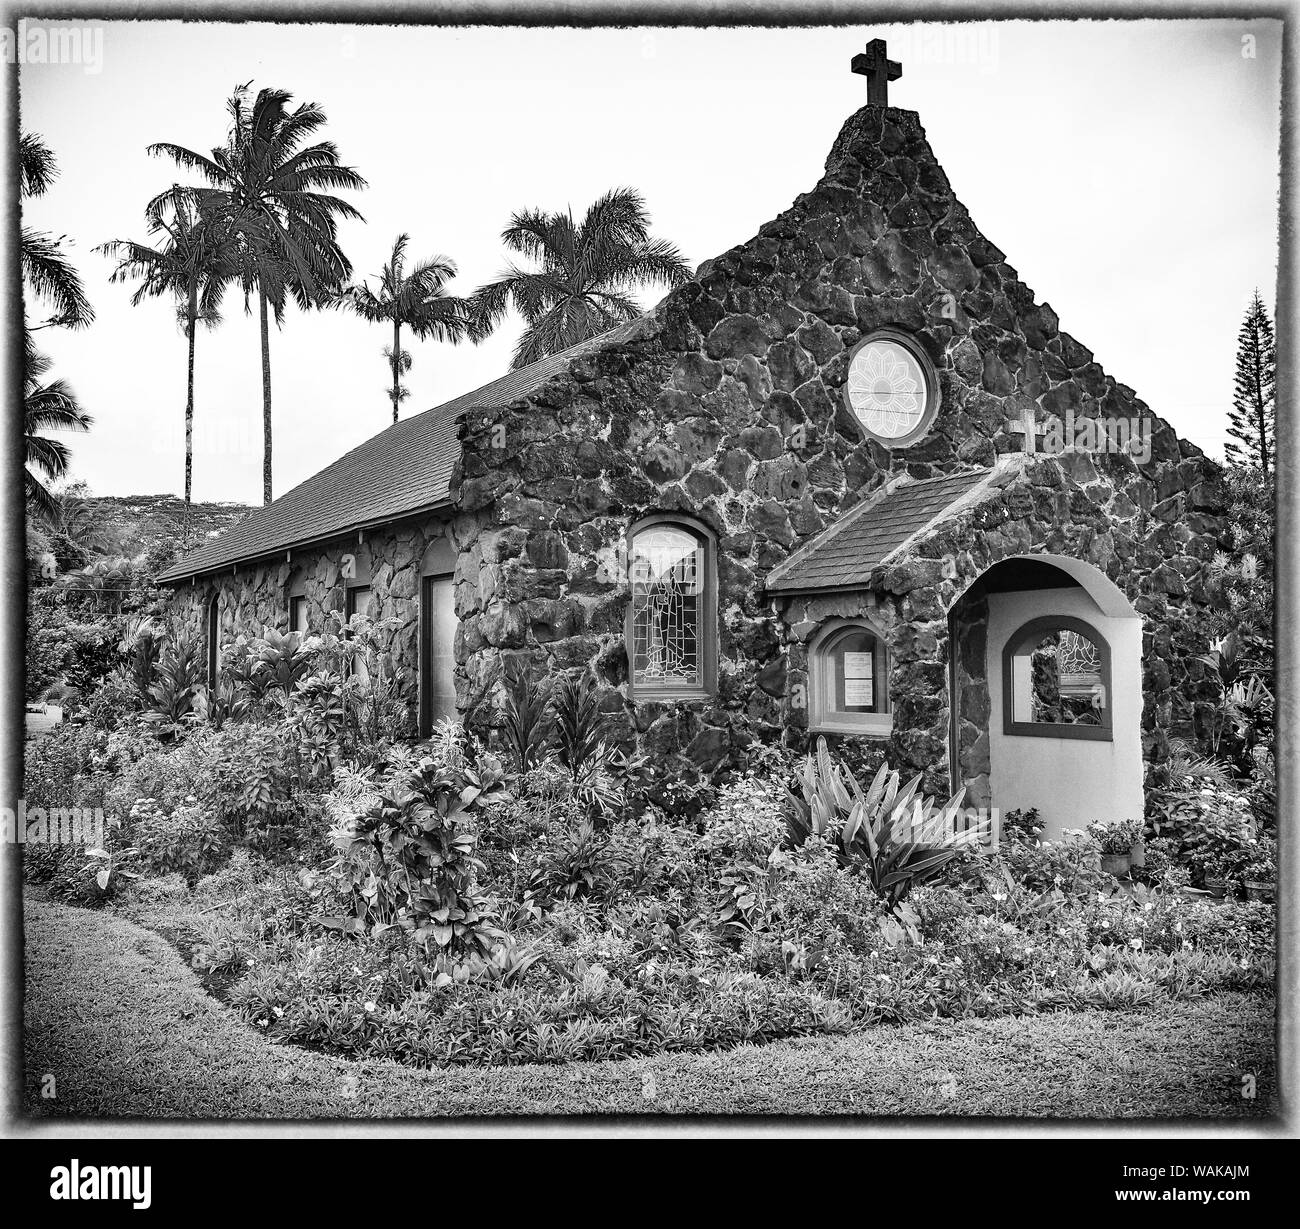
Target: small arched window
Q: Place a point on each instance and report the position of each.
(849, 679)
(1056, 680)
(672, 620)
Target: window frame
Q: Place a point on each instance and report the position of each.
(708, 629)
(928, 372)
(350, 601)
(426, 648)
(822, 714)
(1032, 632)
(212, 633)
(358, 668)
(298, 601)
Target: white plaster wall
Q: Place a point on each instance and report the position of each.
(1071, 781)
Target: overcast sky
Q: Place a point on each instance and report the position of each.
(1128, 170)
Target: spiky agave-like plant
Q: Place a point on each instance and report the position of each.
(894, 835)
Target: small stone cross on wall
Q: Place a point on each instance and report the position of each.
(1030, 429)
(878, 70)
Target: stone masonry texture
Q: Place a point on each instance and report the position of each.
(724, 406)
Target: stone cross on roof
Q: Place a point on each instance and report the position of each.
(878, 71)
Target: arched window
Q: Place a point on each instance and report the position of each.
(672, 621)
(1056, 680)
(848, 668)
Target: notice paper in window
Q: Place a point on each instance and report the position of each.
(858, 689)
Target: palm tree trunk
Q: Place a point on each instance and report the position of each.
(397, 356)
(189, 405)
(266, 398)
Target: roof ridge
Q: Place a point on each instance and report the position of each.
(417, 455)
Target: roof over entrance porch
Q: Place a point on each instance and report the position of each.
(881, 528)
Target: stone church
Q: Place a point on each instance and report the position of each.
(852, 479)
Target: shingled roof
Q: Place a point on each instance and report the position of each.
(846, 552)
(402, 470)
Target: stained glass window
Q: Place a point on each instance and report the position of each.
(667, 571)
(889, 390)
(1056, 680)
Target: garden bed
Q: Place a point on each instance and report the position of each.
(127, 1032)
(524, 893)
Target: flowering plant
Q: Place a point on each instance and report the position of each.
(1261, 860)
(1117, 837)
(1220, 843)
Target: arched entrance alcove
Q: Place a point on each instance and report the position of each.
(1046, 693)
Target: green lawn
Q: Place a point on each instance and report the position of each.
(125, 1029)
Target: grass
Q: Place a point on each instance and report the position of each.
(126, 1030)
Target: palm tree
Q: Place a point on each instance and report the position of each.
(46, 268)
(193, 262)
(586, 273)
(78, 534)
(418, 300)
(51, 406)
(265, 193)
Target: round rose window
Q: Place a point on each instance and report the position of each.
(890, 391)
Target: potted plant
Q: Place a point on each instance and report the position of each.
(1116, 841)
(1214, 874)
(1138, 854)
(1260, 869)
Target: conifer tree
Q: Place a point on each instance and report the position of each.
(1252, 419)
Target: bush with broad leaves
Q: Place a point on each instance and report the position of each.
(408, 860)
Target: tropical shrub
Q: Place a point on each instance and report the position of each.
(408, 861)
(684, 795)
(255, 781)
(189, 840)
(65, 768)
(525, 721)
(578, 861)
(175, 687)
(579, 725)
(1021, 827)
(85, 875)
(746, 822)
(1218, 843)
(817, 907)
(897, 838)
(1162, 867)
(67, 656)
(1241, 717)
(1261, 789)
(47, 644)
(1260, 865)
(1070, 865)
